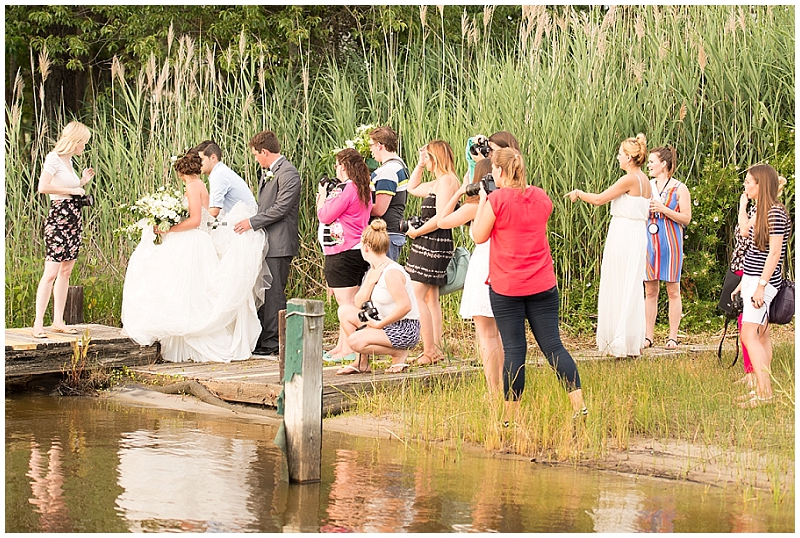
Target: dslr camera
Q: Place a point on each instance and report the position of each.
(85, 200)
(329, 183)
(415, 221)
(480, 146)
(487, 182)
(368, 312)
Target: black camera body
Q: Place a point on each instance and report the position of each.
(85, 200)
(368, 311)
(329, 183)
(482, 148)
(416, 221)
(487, 182)
(737, 303)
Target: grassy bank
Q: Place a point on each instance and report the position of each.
(687, 399)
(717, 82)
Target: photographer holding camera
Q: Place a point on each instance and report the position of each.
(479, 147)
(522, 278)
(432, 247)
(343, 207)
(63, 228)
(388, 323)
(475, 303)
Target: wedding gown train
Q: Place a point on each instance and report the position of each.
(197, 292)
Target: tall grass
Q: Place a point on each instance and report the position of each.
(687, 401)
(571, 88)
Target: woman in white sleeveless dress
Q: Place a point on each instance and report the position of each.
(620, 308)
(197, 300)
(475, 303)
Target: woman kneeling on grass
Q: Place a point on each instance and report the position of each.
(769, 228)
(522, 279)
(388, 286)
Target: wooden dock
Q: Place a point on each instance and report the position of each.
(254, 381)
(27, 357)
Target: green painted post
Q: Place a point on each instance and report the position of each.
(302, 416)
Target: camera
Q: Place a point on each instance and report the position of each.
(329, 183)
(737, 303)
(415, 221)
(481, 147)
(368, 311)
(86, 200)
(487, 182)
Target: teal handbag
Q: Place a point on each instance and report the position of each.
(456, 271)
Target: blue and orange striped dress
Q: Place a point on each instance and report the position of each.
(665, 248)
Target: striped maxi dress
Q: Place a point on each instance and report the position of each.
(665, 248)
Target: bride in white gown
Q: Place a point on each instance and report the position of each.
(195, 293)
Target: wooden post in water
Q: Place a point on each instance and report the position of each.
(73, 309)
(302, 416)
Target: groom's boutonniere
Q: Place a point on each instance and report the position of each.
(268, 175)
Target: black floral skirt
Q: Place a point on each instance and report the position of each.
(63, 230)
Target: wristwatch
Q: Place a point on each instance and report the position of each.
(762, 282)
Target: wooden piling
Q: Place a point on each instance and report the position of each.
(303, 389)
(73, 309)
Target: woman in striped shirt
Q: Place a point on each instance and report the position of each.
(769, 229)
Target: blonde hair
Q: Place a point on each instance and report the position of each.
(636, 149)
(73, 134)
(442, 155)
(513, 166)
(376, 237)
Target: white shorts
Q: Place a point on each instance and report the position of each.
(751, 314)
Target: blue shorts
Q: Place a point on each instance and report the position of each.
(403, 334)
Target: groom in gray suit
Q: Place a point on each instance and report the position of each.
(278, 205)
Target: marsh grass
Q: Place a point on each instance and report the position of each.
(571, 87)
(685, 399)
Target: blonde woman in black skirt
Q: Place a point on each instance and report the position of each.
(63, 227)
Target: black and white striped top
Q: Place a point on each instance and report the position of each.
(754, 259)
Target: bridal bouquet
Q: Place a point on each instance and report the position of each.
(360, 142)
(161, 209)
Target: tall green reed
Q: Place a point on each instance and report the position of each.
(571, 88)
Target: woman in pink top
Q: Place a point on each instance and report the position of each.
(522, 279)
(64, 225)
(344, 214)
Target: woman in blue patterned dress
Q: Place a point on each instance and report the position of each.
(670, 212)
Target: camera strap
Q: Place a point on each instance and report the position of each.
(728, 319)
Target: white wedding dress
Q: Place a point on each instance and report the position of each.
(197, 292)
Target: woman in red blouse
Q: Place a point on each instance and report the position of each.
(522, 279)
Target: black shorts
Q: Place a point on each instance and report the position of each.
(346, 269)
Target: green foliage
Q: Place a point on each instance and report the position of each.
(569, 83)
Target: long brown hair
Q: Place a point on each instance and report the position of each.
(357, 172)
(766, 178)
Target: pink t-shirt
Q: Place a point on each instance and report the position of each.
(347, 218)
(520, 263)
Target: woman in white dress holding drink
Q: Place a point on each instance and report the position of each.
(198, 305)
(620, 303)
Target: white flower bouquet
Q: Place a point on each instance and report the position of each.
(360, 142)
(161, 209)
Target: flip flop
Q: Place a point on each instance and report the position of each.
(755, 401)
(65, 330)
(350, 370)
(648, 343)
(398, 368)
(673, 346)
(421, 360)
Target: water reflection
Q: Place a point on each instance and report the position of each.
(180, 475)
(84, 465)
(47, 481)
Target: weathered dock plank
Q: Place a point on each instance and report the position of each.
(27, 357)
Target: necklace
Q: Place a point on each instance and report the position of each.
(653, 226)
(664, 188)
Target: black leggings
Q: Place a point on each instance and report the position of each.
(541, 311)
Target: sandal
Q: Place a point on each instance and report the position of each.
(424, 359)
(648, 342)
(398, 368)
(755, 401)
(351, 369)
(673, 346)
(63, 330)
(38, 335)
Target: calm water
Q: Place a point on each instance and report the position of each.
(91, 465)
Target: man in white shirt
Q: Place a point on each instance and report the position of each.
(226, 186)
